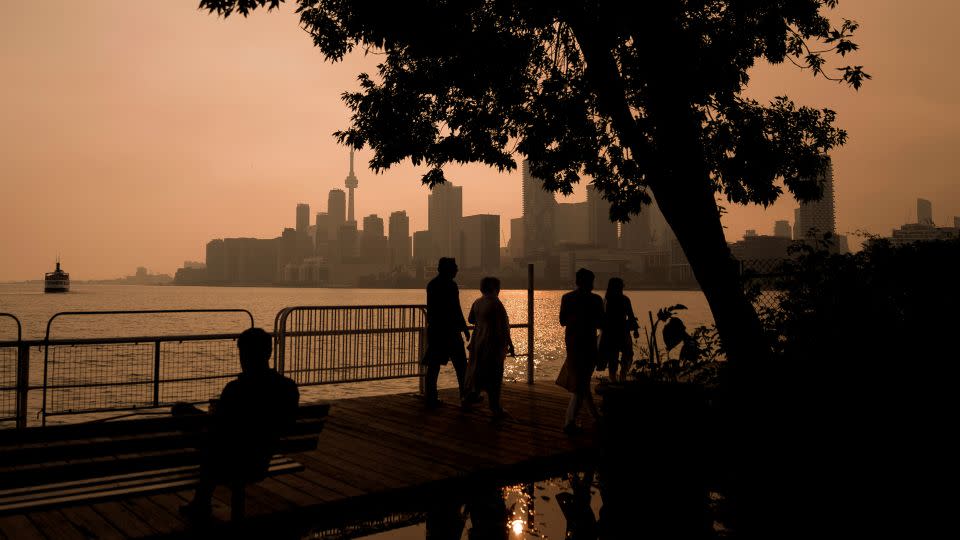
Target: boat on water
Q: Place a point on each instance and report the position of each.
(56, 281)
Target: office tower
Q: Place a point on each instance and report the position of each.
(956, 222)
(373, 243)
(480, 247)
(322, 236)
(303, 218)
(516, 238)
(539, 208)
(445, 209)
(399, 238)
(348, 242)
(423, 249)
(636, 235)
(603, 232)
(816, 218)
(216, 260)
(350, 183)
(924, 212)
(571, 223)
(750, 233)
(781, 229)
(337, 210)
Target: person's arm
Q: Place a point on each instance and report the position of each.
(564, 311)
(460, 323)
(506, 329)
(632, 322)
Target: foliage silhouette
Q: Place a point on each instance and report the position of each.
(645, 98)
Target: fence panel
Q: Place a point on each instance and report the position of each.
(9, 353)
(338, 344)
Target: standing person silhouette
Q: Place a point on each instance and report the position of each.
(616, 347)
(581, 314)
(489, 347)
(445, 323)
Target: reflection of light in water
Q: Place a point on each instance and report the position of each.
(517, 527)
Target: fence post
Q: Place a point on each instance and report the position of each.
(156, 373)
(23, 384)
(530, 323)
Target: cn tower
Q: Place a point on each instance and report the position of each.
(350, 183)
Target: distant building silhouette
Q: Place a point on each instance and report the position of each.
(571, 224)
(539, 208)
(322, 234)
(781, 229)
(445, 210)
(956, 222)
(399, 238)
(348, 242)
(351, 183)
(603, 232)
(817, 218)
(337, 210)
(636, 235)
(924, 212)
(480, 247)
(760, 249)
(517, 233)
(423, 249)
(750, 233)
(303, 218)
(373, 243)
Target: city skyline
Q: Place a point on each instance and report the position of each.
(123, 156)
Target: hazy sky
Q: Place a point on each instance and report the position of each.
(132, 132)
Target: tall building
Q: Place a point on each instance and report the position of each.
(924, 212)
(351, 183)
(781, 229)
(516, 238)
(445, 210)
(796, 224)
(216, 261)
(337, 210)
(817, 218)
(571, 224)
(750, 233)
(423, 249)
(480, 248)
(956, 222)
(637, 234)
(348, 248)
(303, 218)
(603, 232)
(323, 233)
(373, 243)
(399, 238)
(539, 208)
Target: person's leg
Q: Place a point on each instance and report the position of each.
(430, 384)
(573, 409)
(613, 368)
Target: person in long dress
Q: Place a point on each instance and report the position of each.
(581, 315)
(616, 347)
(489, 347)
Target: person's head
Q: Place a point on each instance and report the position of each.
(490, 286)
(584, 279)
(255, 346)
(447, 267)
(614, 287)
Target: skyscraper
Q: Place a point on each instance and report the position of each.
(480, 248)
(399, 238)
(445, 209)
(635, 235)
(781, 229)
(571, 223)
(373, 243)
(337, 210)
(924, 212)
(603, 232)
(423, 249)
(517, 231)
(539, 207)
(350, 183)
(817, 218)
(323, 234)
(303, 218)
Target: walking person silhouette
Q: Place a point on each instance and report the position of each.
(445, 323)
(581, 315)
(616, 347)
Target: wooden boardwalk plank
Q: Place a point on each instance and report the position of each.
(371, 449)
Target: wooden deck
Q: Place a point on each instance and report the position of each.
(376, 455)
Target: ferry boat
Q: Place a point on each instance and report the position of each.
(56, 281)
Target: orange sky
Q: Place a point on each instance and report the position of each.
(133, 132)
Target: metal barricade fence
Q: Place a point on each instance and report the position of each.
(123, 374)
(338, 344)
(11, 376)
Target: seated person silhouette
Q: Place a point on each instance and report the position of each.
(246, 423)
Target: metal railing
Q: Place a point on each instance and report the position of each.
(13, 376)
(123, 374)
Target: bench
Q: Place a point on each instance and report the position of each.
(57, 466)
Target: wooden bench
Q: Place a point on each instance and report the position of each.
(58, 466)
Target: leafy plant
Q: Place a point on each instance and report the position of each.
(699, 356)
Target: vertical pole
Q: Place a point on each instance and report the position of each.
(156, 373)
(530, 323)
(23, 383)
